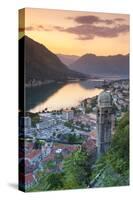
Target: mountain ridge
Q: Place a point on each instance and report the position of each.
(40, 64)
(108, 65)
(67, 59)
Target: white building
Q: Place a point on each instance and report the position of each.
(27, 122)
(46, 123)
(58, 151)
(68, 114)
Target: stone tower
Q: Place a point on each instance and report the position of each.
(104, 122)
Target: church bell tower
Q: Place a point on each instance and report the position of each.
(104, 122)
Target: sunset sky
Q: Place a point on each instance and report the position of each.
(77, 33)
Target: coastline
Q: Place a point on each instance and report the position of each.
(36, 83)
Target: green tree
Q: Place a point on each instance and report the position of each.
(53, 181)
(71, 138)
(77, 170)
(116, 160)
(118, 155)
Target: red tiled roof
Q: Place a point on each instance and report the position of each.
(29, 145)
(33, 153)
(27, 163)
(29, 178)
(92, 134)
(49, 157)
(89, 145)
(26, 179)
(65, 147)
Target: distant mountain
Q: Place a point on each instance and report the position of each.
(102, 65)
(41, 64)
(67, 59)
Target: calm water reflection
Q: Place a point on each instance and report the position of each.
(57, 96)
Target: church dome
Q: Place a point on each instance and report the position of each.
(104, 99)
